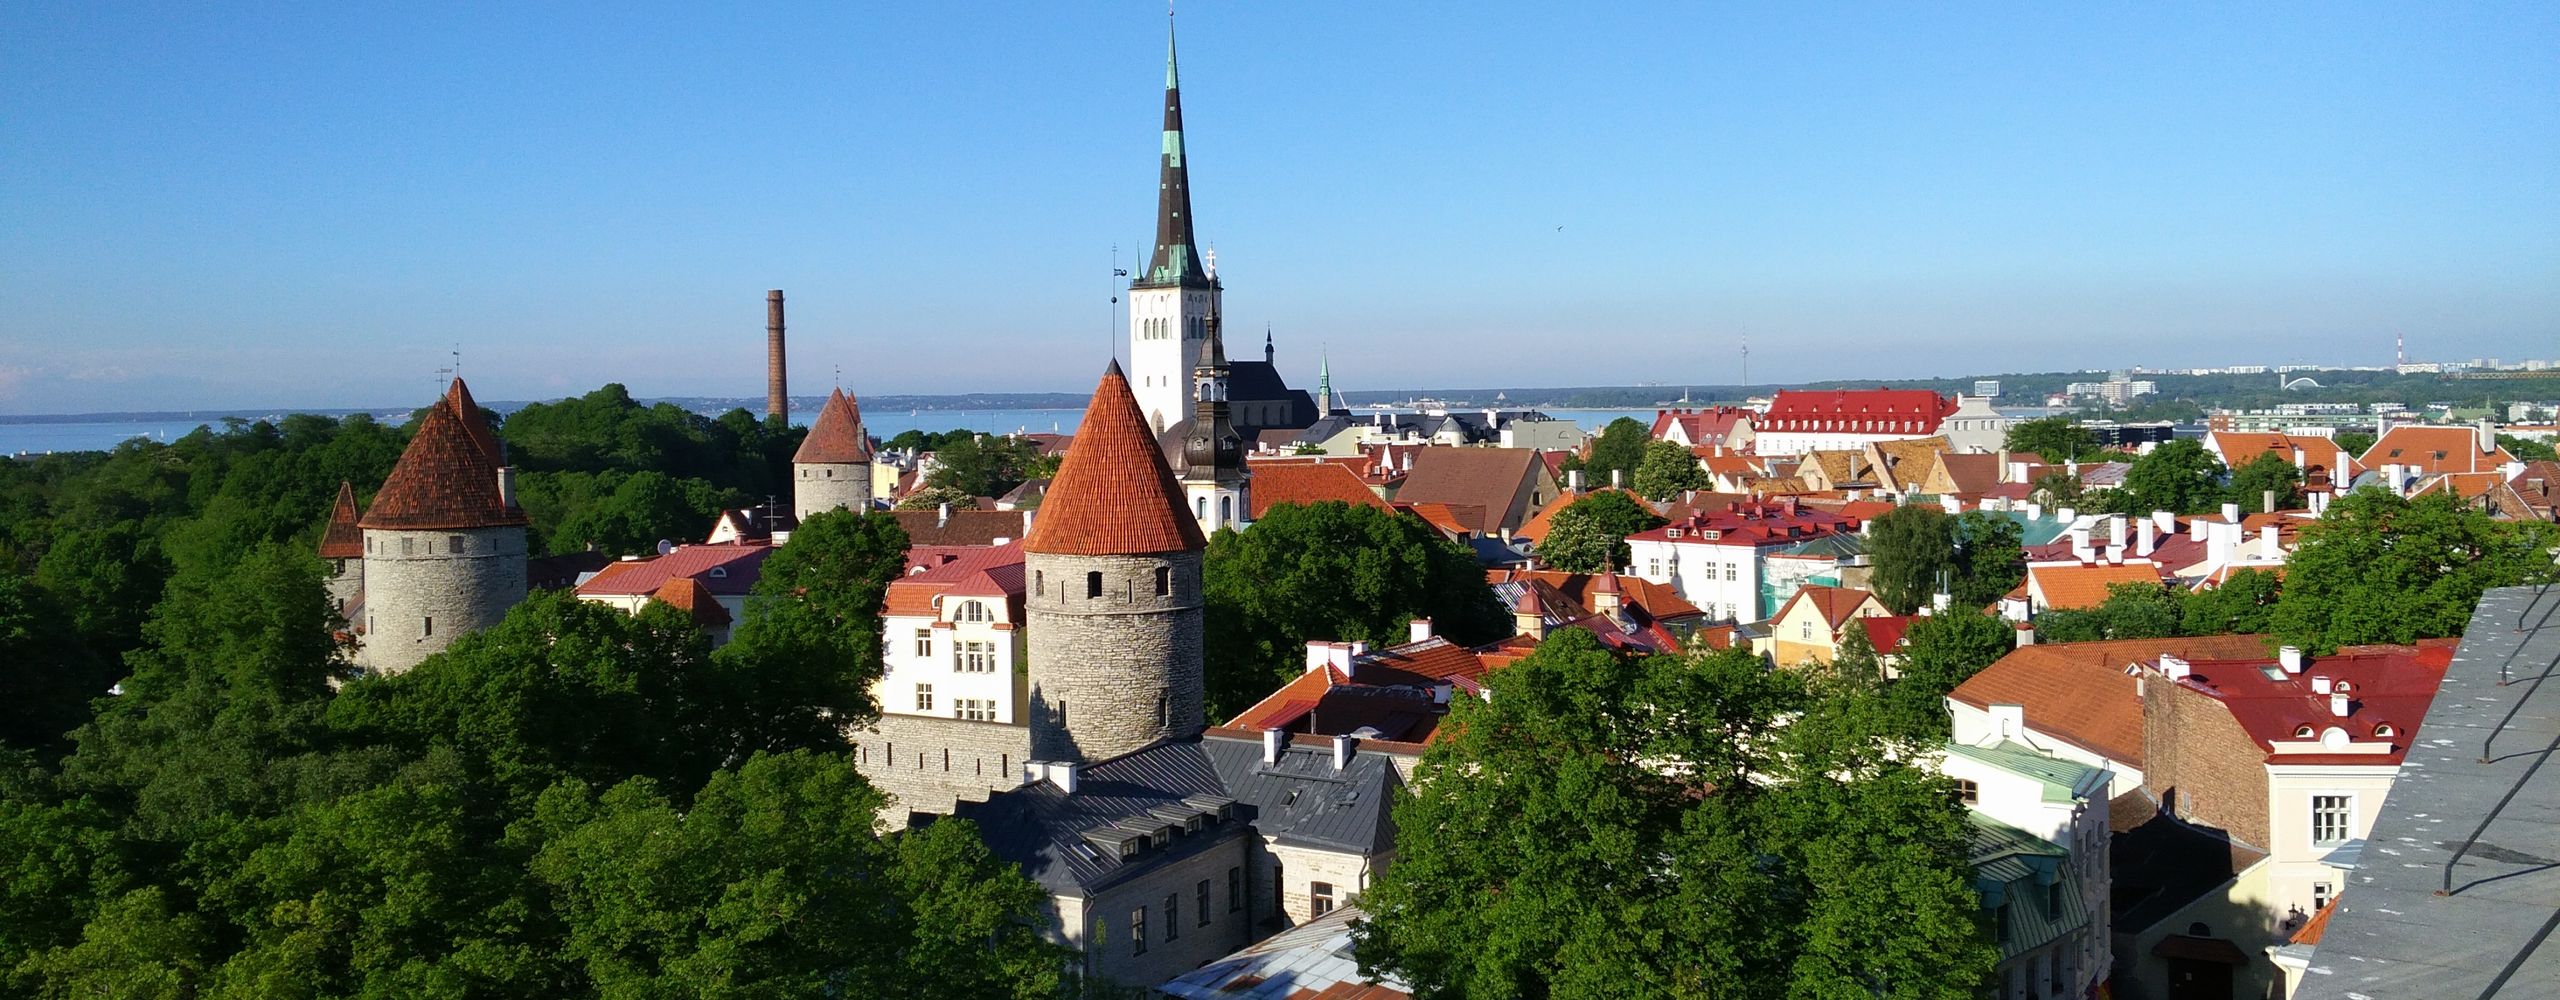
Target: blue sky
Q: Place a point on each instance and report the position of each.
(309, 204)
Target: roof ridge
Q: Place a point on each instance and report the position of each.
(446, 478)
(836, 437)
(1113, 494)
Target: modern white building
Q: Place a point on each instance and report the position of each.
(953, 640)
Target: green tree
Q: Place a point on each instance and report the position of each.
(2056, 439)
(1590, 533)
(931, 497)
(1857, 659)
(1737, 854)
(802, 664)
(47, 674)
(2178, 476)
(1666, 469)
(2528, 449)
(2267, 473)
(2380, 568)
(1616, 452)
(1991, 559)
(984, 465)
(1939, 652)
(1331, 571)
(624, 513)
(2353, 442)
(2059, 488)
(1913, 549)
(2244, 604)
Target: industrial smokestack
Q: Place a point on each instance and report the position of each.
(777, 395)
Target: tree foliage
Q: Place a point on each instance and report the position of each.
(2268, 473)
(1912, 548)
(1616, 453)
(2055, 439)
(1991, 558)
(2178, 476)
(1666, 469)
(1590, 534)
(985, 465)
(1331, 571)
(1674, 826)
(2380, 568)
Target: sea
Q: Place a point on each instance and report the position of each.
(27, 436)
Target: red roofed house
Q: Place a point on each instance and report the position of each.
(688, 595)
(953, 640)
(1307, 481)
(1713, 558)
(2075, 700)
(1799, 421)
(726, 572)
(1625, 612)
(2410, 454)
(1705, 427)
(1507, 485)
(2073, 587)
(1807, 631)
(2290, 755)
(444, 545)
(1392, 699)
(2325, 467)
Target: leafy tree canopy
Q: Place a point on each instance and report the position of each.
(1616, 452)
(2178, 476)
(1590, 534)
(2380, 568)
(2268, 473)
(1912, 548)
(1331, 571)
(2055, 439)
(1666, 469)
(986, 465)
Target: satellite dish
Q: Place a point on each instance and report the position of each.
(665, 546)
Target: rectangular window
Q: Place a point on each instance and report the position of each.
(1729, 569)
(1319, 898)
(1164, 581)
(924, 697)
(1172, 916)
(404, 544)
(431, 624)
(2329, 817)
(1093, 584)
(1968, 791)
(924, 642)
(453, 544)
(1200, 901)
(1235, 889)
(977, 657)
(974, 709)
(2321, 894)
(1138, 931)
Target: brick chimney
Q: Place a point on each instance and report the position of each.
(777, 397)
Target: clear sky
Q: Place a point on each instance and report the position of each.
(309, 204)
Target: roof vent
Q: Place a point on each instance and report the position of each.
(2319, 684)
(2339, 705)
(2291, 658)
(1272, 742)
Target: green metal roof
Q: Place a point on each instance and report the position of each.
(2063, 780)
(2011, 870)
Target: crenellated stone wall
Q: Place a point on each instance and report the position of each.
(928, 765)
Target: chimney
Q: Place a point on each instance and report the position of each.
(2167, 521)
(2269, 548)
(2010, 721)
(1026, 521)
(1273, 741)
(2340, 704)
(2488, 434)
(2115, 531)
(2231, 512)
(2267, 502)
(2319, 684)
(1618, 478)
(777, 398)
(1419, 630)
(1941, 601)
(2080, 544)
(2035, 511)
(2175, 668)
(2291, 659)
(1061, 773)
(942, 515)
(1338, 655)
(2146, 535)
(2066, 514)
(506, 486)
(1573, 480)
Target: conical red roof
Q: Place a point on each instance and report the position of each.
(342, 539)
(448, 477)
(459, 398)
(837, 437)
(1113, 494)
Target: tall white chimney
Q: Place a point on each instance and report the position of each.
(1342, 752)
(2291, 658)
(1272, 742)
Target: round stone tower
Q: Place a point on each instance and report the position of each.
(1114, 602)
(833, 466)
(444, 545)
(342, 547)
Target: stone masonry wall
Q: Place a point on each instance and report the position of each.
(346, 582)
(2200, 763)
(462, 592)
(817, 488)
(928, 765)
(1103, 931)
(1123, 668)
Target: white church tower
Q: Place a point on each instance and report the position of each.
(1173, 302)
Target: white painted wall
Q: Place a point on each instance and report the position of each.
(936, 661)
(1698, 570)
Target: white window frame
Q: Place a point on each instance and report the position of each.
(2345, 814)
(924, 697)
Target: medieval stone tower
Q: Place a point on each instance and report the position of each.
(444, 546)
(1115, 604)
(1173, 301)
(833, 466)
(342, 547)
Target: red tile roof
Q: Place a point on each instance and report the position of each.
(342, 539)
(1535, 529)
(1835, 604)
(836, 438)
(2073, 588)
(474, 424)
(1754, 523)
(980, 571)
(727, 569)
(1113, 494)
(1490, 480)
(1862, 411)
(448, 476)
(2387, 686)
(1884, 632)
(2079, 692)
(1307, 482)
(1703, 427)
(2433, 450)
(688, 595)
(2238, 449)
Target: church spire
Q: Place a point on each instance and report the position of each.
(1177, 257)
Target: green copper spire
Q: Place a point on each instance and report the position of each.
(1176, 261)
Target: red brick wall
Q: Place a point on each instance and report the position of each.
(2200, 763)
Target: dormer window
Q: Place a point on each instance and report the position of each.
(1128, 849)
(718, 573)
(2384, 730)
(2301, 732)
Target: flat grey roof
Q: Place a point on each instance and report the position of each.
(2489, 830)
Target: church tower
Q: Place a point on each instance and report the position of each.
(444, 546)
(1213, 476)
(1173, 301)
(832, 469)
(1115, 601)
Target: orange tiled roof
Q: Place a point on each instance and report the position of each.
(2072, 588)
(342, 539)
(2078, 691)
(1450, 518)
(836, 438)
(1113, 494)
(2238, 449)
(1279, 482)
(1835, 604)
(688, 595)
(459, 398)
(447, 478)
(1535, 530)
(2433, 450)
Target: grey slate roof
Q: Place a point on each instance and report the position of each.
(2392, 936)
(1303, 801)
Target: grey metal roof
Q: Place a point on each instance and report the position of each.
(1311, 959)
(1045, 830)
(1302, 800)
(2473, 813)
